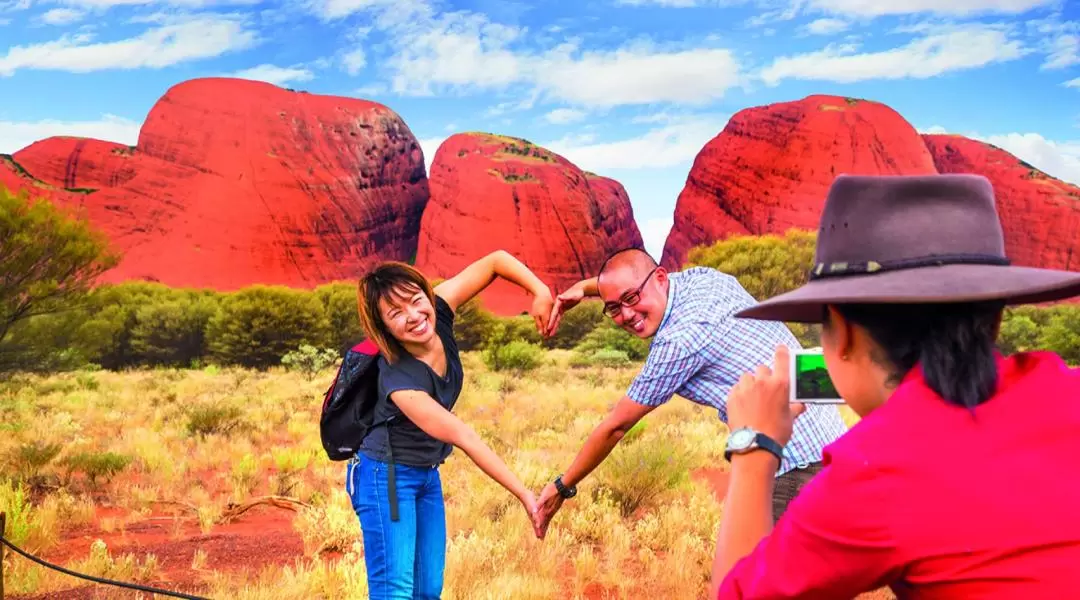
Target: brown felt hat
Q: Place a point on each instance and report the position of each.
(912, 239)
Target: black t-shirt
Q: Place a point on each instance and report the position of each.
(411, 445)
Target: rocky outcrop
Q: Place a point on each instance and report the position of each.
(771, 167)
(235, 182)
(492, 192)
(1040, 215)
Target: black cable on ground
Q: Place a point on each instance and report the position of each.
(133, 586)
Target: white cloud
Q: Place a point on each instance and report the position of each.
(1064, 52)
(654, 233)
(188, 4)
(354, 61)
(193, 39)
(564, 116)
(442, 53)
(826, 26)
(929, 56)
(275, 74)
(958, 8)
(62, 16)
(638, 75)
(15, 136)
(1073, 83)
(671, 3)
(674, 143)
(1058, 159)
(429, 146)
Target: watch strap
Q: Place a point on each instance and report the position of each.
(767, 443)
(763, 442)
(565, 492)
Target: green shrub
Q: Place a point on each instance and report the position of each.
(517, 355)
(209, 419)
(577, 323)
(171, 331)
(609, 336)
(473, 325)
(1062, 333)
(309, 360)
(766, 265)
(639, 470)
(49, 260)
(96, 465)
(339, 304)
(604, 357)
(256, 326)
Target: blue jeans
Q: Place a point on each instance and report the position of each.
(405, 558)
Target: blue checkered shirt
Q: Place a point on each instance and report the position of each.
(700, 351)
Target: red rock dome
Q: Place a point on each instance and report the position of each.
(235, 182)
(492, 192)
(771, 167)
(1040, 215)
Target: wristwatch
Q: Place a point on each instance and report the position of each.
(565, 492)
(745, 440)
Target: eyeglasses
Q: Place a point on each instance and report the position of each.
(612, 309)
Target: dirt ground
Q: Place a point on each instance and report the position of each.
(260, 537)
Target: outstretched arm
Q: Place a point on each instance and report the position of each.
(597, 447)
(472, 280)
(569, 299)
(436, 421)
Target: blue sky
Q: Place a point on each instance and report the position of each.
(631, 89)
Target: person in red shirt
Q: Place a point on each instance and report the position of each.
(956, 482)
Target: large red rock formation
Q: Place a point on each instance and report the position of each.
(492, 192)
(235, 182)
(1040, 215)
(771, 167)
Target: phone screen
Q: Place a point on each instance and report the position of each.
(812, 381)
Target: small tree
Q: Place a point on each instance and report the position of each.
(766, 265)
(48, 260)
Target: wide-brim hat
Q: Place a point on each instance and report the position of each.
(912, 239)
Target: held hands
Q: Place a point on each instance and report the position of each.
(528, 500)
(548, 504)
(542, 306)
(760, 400)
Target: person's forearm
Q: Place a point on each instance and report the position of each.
(747, 514)
(589, 286)
(513, 270)
(596, 448)
(490, 463)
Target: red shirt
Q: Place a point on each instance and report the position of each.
(937, 501)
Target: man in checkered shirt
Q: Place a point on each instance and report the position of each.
(699, 351)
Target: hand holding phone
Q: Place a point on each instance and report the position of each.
(810, 381)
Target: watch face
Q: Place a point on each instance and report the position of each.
(741, 438)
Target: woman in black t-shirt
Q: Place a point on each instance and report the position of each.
(394, 481)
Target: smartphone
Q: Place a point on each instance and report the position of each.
(810, 381)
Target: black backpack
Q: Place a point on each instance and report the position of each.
(348, 408)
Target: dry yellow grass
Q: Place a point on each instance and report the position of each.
(200, 440)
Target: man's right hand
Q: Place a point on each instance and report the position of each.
(564, 302)
(549, 502)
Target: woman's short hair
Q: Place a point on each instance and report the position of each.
(388, 280)
(953, 343)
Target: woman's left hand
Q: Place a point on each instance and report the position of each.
(541, 308)
(760, 400)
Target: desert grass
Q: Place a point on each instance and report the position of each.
(196, 442)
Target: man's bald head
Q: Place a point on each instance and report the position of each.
(634, 290)
(633, 261)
